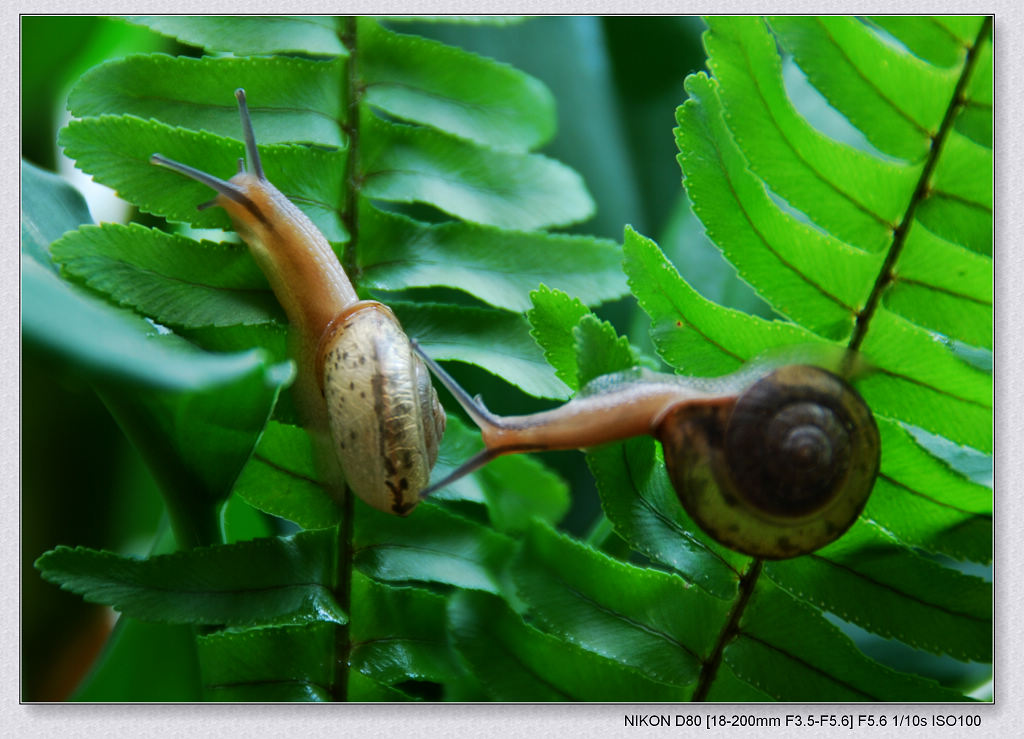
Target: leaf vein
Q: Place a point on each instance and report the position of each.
(902, 593)
(800, 660)
(870, 82)
(799, 155)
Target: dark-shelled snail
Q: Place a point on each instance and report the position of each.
(773, 464)
(363, 391)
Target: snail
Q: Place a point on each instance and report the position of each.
(772, 464)
(358, 377)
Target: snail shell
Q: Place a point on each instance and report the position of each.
(385, 419)
(783, 471)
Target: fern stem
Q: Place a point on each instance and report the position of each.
(709, 669)
(885, 275)
(343, 596)
(345, 529)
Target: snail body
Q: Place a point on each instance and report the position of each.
(359, 382)
(772, 464)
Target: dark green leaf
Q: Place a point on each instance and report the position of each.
(787, 650)
(196, 443)
(453, 90)
(866, 578)
(244, 35)
(116, 150)
(293, 99)
(510, 190)
(49, 207)
(174, 280)
(363, 688)
(497, 266)
(281, 479)
(399, 634)
(430, 545)
(498, 341)
(651, 621)
(925, 504)
(103, 341)
(272, 664)
(515, 488)
(514, 661)
(639, 500)
(254, 582)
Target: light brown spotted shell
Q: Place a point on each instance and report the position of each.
(384, 416)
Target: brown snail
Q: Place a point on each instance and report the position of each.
(773, 464)
(358, 376)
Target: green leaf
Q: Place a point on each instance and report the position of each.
(518, 191)
(49, 207)
(249, 35)
(958, 206)
(364, 689)
(100, 340)
(173, 279)
(787, 650)
(295, 99)
(419, 80)
(520, 489)
(896, 99)
(638, 498)
(975, 119)
(399, 634)
(853, 195)
(650, 621)
(430, 545)
(286, 663)
(515, 661)
(865, 578)
(116, 151)
(691, 333)
(925, 504)
(919, 381)
(552, 319)
(197, 443)
(811, 277)
(944, 287)
(498, 341)
(600, 350)
(282, 479)
(115, 345)
(282, 580)
(497, 266)
(941, 40)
